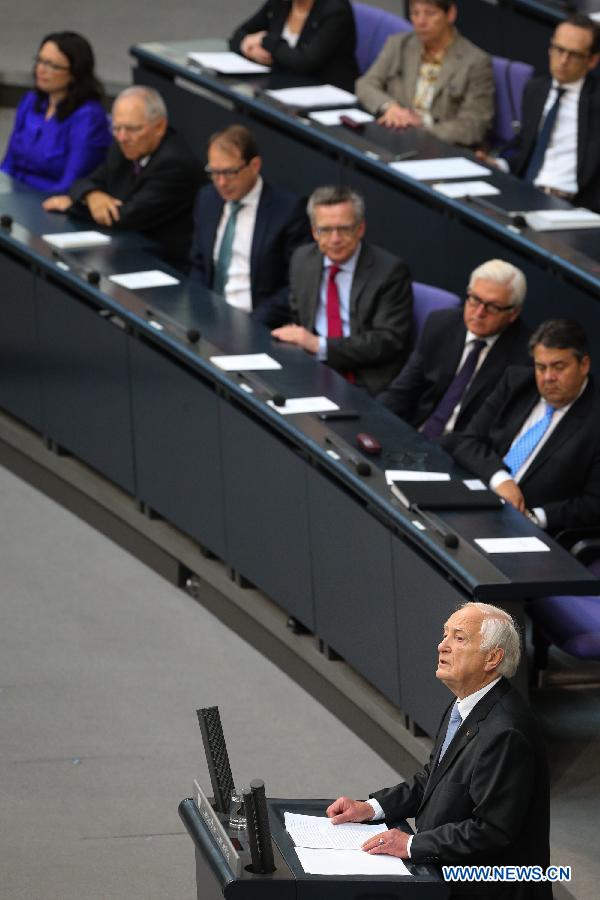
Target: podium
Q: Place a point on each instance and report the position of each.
(216, 876)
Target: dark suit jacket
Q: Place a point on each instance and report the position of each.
(326, 45)
(157, 202)
(564, 478)
(519, 151)
(281, 226)
(380, 313)
(421, 384)
(488, 802)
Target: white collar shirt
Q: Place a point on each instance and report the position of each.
(559, 169)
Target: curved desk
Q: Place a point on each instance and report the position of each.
(111, 376)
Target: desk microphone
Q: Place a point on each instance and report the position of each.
(258, 828)
(276, 398)
(193, 335)
(92, 276)
(6, 221)
(449, 537)
(362, 468)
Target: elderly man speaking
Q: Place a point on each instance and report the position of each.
(483, 797)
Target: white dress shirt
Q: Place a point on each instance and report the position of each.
(469, 338)
(465, 707)
(238, 291)
(291, 37)
(343, 280)
(559, 169)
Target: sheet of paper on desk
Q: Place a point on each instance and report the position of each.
(561, 219)
(147, 279)
(439, 169)
(227, 63)
(454, 189)
(392, 475)
(305, 405)
(332, 116)
(246, 362)
(512, 545)
(70, 240)
(349, 862)
(314, 97)
(318, 832)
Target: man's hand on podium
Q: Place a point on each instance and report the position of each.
(393, 842)
(346, 810)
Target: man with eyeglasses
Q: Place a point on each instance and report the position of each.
(351, 302)
(557, 148)
(461, 353)
(245, 230)
(536, 439)
(147, 182)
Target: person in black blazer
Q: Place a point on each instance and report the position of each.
(484, 796)
(571, 163)
(557, 484)
(373, 294)
(147, 182)
(269, 226)
(325, 35)
(420, 386)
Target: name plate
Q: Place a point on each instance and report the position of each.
(220, 836)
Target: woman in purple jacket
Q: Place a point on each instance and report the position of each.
(61, 130)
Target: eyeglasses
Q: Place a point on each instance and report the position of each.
(224, 173)
(578, 55)
(327, 230)
(128, 129)
(489, 307)
(48, 64)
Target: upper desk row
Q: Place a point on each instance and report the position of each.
(124, 380)
(442, 239)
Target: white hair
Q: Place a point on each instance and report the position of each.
(498, 629)
(502, 273)
(153, 102)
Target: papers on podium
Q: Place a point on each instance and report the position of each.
(297, 405)
(561, 219)
(327, 849)
(227, 63)
(318, 97)
(440, 169)
(150, 278)
(455, 189)
(333, 116)
(71, 240)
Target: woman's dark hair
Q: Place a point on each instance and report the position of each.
(83, 85)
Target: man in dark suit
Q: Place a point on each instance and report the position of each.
(245, 230)
(351, 302)
(147, 182)
(434, 391)
(536, 439)
(483, 798)
(557, 147)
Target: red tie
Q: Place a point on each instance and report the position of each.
(334, 320)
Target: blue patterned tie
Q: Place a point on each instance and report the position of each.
(543, 139)
(522, 449)
(226, 248)
(454, 724)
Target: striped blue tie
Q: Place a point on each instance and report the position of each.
(522, 449)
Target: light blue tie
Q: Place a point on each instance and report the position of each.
(454, 724)
(522, 449)
(225, 250)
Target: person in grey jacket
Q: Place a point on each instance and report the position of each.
(431, 78)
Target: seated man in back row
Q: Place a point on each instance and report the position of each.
(147, 182)
(462, 353)
(536, 439)
(351, 302)
(431, 78)
(245, 230)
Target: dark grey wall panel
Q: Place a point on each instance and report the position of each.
(266, 511)
(19, 364)
(86, 395)
(354, 592)
(177, 445)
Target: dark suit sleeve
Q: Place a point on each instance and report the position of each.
(385, 335)
(404, 800)
(402, 395)
(518, 150)
(489, 810)
(274, 310)
(95, 181)
(260, 21)
(583, 507)
(201, 269)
